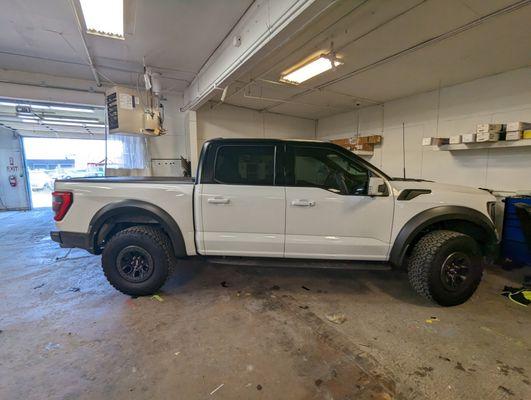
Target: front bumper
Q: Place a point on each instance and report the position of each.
(71, 239)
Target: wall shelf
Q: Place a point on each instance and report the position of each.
(484, 145)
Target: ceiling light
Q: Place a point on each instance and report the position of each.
(310, 69)
(93, 120)
(62, 123)
(104, 17)
(72, 109)
(27, 116)
(14, 104)
(30, 121)
(95, 125)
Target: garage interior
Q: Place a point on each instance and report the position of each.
(412, 73)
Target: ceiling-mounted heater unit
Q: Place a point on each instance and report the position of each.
(128, 116)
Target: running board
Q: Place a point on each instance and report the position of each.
(302, 263)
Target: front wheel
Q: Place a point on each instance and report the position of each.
(138, 260)
(445, 267)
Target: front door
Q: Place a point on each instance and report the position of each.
(329, 213)
(242, 210)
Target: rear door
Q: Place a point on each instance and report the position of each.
(329, 213)
(242, 207)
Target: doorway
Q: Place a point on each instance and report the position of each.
(48, 159)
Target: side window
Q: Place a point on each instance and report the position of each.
(326, 169)
(245, 165)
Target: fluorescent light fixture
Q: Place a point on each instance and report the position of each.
(14, 104)
(30, 121)
(310, 69)
(95, 125)
(89, 120)
(62, 123)
(24, 116)
(104, 17)
(72, 109)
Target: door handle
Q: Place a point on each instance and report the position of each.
(218, 200)
(303, 203)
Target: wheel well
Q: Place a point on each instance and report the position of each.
(116, 220)
(462, 226)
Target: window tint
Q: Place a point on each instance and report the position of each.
(329, 170)
(245, 165)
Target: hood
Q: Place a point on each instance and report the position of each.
(400, 185)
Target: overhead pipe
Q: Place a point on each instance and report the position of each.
(263, 38)
(87, 51)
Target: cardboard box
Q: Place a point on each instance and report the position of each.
(489, 128)
(362, 147)
(518, 126)
(342, 142)
(362, 140)
(456, 139)
(375, 139)
(434, 141)
(517, 135)
(487, 137)
(526, 134)
(469, 138)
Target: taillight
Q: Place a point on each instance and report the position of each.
(61, 203)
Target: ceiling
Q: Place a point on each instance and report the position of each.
(174, 36)
(390, 49)
(40, 119)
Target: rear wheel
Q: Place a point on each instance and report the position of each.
(445, 267)
(138, 260)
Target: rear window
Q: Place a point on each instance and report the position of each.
(245, 165)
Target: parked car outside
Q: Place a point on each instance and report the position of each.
(40, 180)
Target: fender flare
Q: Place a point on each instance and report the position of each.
(434, 215)
(145, 212)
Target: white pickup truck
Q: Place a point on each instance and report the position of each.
(280, 202)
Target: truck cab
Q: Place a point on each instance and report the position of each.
(270, 198)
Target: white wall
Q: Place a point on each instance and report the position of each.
(174, 143)
(454, 110)
(235, 122)
(12, 198)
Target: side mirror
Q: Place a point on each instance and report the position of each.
(377, 186)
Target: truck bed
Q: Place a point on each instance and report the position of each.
(94, 195)
(129, 179)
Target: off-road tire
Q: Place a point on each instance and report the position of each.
(151, 239)
(426, 262)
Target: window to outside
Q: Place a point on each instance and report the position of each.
(326, 169)
(245, 165)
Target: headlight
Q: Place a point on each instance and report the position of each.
(491, 208)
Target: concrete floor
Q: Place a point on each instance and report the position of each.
(66, 334)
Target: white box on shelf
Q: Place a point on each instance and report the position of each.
(469, 138)
(518, 126)
(487, 137)
(456, 139)
(514, 135)
(489, 128)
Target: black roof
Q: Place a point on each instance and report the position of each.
(264, 140)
